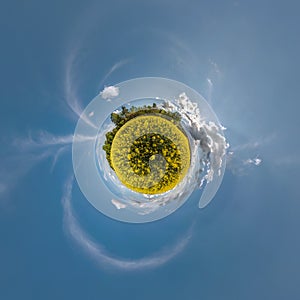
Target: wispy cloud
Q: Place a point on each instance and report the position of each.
(59, 153)
(70, 85)
(255, 144)
(27, 152)
(242, 157)
(42, 140)
(44, 145)
(97, 252)
(267, 151)
(209, 90)
(71, 96)
(253, 161)
(114, 68)
(240, 165)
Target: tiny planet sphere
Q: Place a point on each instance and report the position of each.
(150, 154)
(142, 147)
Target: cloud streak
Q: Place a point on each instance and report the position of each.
(59, 153)
(46, 140)
(115, 67)
(98, 254)
(210, 90)
(25, 153)
(242, 157)
(42, 139)
(70, 89)
(71, 96)
(253, 161)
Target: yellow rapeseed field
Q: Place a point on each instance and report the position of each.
(150, 154)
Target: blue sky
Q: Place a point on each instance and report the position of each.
(242, 56)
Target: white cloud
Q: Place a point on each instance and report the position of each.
(253, 161)
(97, 252)
(70, 85)
(118, 204)
(109, 92)
(240, 164)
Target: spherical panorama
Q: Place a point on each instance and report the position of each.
(143, 146)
